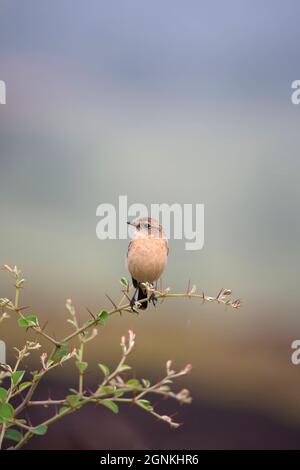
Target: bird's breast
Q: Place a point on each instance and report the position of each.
(147, 259)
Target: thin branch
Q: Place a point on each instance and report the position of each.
(158, 295)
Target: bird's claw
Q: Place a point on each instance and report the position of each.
(132, 304)
(153, 299)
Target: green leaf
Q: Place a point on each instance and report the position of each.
(146, 383)
(124, 282)
(27, 322)
(36, 375)
(105, 390)
(104, 369)
(60, 352)
(63, 409)
(33, 320)
(102, 317)
(124, 368)
(39, 430)
(73, 400)
(17, 376)
(145, 404)
(111, 405)
(20, 421)
(81, 366)
(13, 435)
(25, 385)
(3, 394)
(6, 411)
(22, 322)
(133, 383)
(49, 363)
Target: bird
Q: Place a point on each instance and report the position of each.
(146, 257)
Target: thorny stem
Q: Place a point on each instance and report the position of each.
(127, 307)
(99, 396)
(159, 295)
(28, 396)
(16, 305)
(81, 372)
(40, 332)
(47, 402)
(96, 398)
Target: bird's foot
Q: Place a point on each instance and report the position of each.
(153, 299)
(132, 304)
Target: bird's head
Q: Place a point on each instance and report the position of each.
(146, 227)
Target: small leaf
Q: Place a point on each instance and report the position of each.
(20, 421)
(81, 366)
(26, 322)
(3, 394)
(105, 390)
(146, 383)
(145, 404)
(39, 430)
(102, 317)
(25, 385)
(164, 388)
(6, 411)
(63, 409)
(104, 369)
(17, 376)
(124, 367)
(22, 322)
(60, 352)
(124, 282)
(36, 375)
(193, 290)
(111, 405)
(73, 400)
(133, 383)
(13, 435)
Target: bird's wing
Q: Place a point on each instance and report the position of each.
(129, 248)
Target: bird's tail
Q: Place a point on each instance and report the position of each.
(142, 294)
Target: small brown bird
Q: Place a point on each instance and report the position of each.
(147, 256)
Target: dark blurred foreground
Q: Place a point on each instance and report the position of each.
(204, 427)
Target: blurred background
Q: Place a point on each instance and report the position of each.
(162, 101)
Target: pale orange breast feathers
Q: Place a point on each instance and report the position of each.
(147, 259)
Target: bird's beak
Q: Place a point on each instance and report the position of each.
(130, 223)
